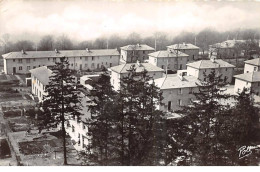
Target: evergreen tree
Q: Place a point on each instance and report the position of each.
(141, 124)
(102, 123)
(201, 145)
(62, 100)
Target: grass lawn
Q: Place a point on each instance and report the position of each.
(38, 147)
(5, 151)
(19, 124)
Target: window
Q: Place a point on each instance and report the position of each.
(48, 59)
(179, 91)
(73, 128)
(154, 60)
(190, 90)
(71, 64)
(76, 64)
(143, 52)
(169, 105)
(180, 102)
(34, 60)
(13, 60)
(39, 65)
(226, 69)
(98, 65)
(86, 58)
(92, 58)
(110, 57)
(20, 68)
(162, 66)
(255, 68)
(110, 65)
(34, 67)
(28, 67)
(80, 58)
(27, 60)
(193, 57)
(92, 65)
(83, 126)
(180, 66)
(54, 59)
(246, 83)
(20, 60)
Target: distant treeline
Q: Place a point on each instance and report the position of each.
(202, 39)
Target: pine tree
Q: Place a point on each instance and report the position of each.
(141, 124)
(62, 100)
(102, 123)
(201, 144)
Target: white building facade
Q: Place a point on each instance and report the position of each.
(40, 78)
(252, 65)
(177, 91)
(134, 53)
(22, 62)
(187, 48)
(176, 60)
(118, 72)
(250, 81)
(221, 67)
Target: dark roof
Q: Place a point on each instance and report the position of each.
(61, 53)
(137, 47)
(183, 46)
(139, 68)
(255, 62)
(208, 64)
(250, 77)
(42, 74)
(166, 53)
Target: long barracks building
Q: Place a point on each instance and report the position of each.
(23, 61)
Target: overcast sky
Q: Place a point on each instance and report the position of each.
(82, 20)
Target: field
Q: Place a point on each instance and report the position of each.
(5, 151)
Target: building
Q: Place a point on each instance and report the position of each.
(22, 62)
(132, 53)
(198, 69)
(118, 72)
(176, 60)
(252, 65)
(177, 91)
(190, 49)
(40, 78)
(228, 51)
(249, 80)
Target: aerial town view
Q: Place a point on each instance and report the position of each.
(129, 83)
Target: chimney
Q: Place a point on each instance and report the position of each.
(87, 49)
(181, 73)
(138, 45)
(138, 63)
(23, 52)
(212, 58)
(56, 51)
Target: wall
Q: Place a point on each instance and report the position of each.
(115, 77)
(173, 96)
(240, 85)
(77, 63)
(250, 68)
(199, 73)
(37, 88)
(140, 55)
(174, 63)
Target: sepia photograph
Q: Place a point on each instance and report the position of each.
(129, 83)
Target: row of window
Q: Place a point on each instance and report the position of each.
(179, 103)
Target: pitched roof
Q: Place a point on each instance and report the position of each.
(208, 64)
(227, 44)
(139, 68)
(137, 47)
(250, 77)
(183, 46)
(166, 53)
(42, 74)
(61, 53)
(172, 82)
(255, 62)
